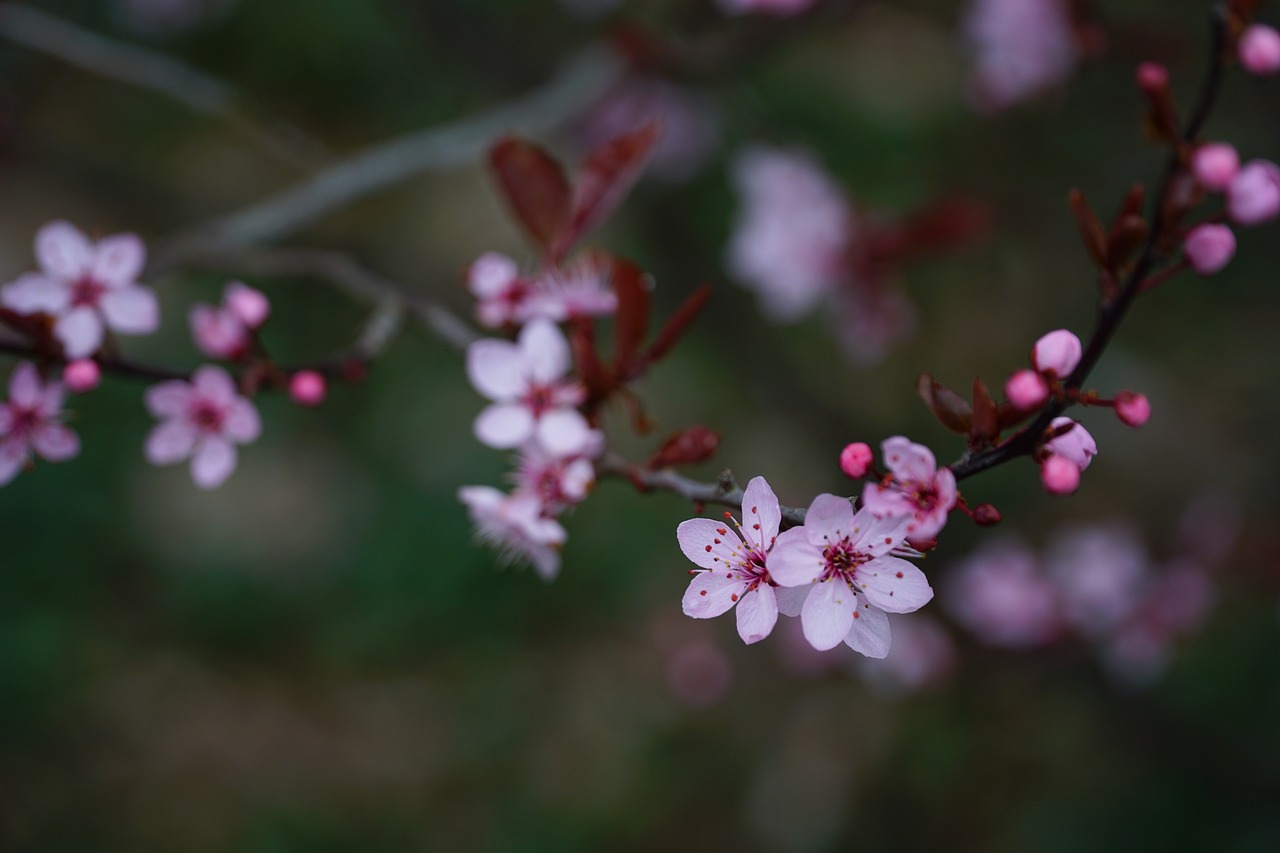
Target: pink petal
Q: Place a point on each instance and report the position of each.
(564, 432)
(131, 310)
(794, 561)
(709, 543)
(870, 632)
(504, 425)
(243, 424)
(215, 385)
(63, 251)
(894, 585)
(757, 614)
(168, 399)
(760, 507)
(55, 442)
(80, 331)
(496, 369)
(710, 594)
(790, 599)
(50, 403)
(6, 419)
(12, 456)
(491, 274)
(827, 616)
(908, 460)
(169, 442)
(24, 385)
(544, 351)
(879, 535)
(213, 462)
(34, 293)
(118, 260)
(829, 517)
(251, 307)
(217, 333)
(545, 560)
(481, 501)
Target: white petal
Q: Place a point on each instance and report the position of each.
(63, 251)
(760, 507)
(491, 274)
(793, 560)
(495, 369)
(168, 399)
(243, 423)
(55, 442)
(80, 331)
(828, 614)
(169, 442)
(757, 614)
(131, 310)
(709, 543)
(564, 432)
(710, 594)
(544, 351)
(213, 462)
(34, 293)
(830, 517)
(791, 599)
(118, 260)
(504, 425)
(894, 585)
(879, 535)
(870, 632)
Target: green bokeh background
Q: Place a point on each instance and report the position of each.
(316, 656)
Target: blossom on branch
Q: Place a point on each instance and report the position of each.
(30, 423)
(516, 527)
(202, 420)
(918, 490)
(1020, 47)
(226, 331)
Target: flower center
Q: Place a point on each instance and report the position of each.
(86, 293)
(22, 420)
(207, 417)
(539, 399)
(842, 560)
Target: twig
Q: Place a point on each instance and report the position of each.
(391, 163)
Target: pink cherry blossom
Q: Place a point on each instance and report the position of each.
(501, 293)
(734, 563)
(1074, 444)
(999, 595)
(918, 490)
(557, 482)
(1253, 197)
(1060, 476)
(31, 423)
(307, 388)
(1020, 47)
(1259, 49)
(1214, 164)
(855, 460)
(250, 306)
(202, 420)
(81, 375)
(768, 7)
(1174, 604)
(1099, 571)
(531, 398)
(516, 526)
(1057, 353)
(85, 287)
(226, 331)
(1026, 389)
(848, 567)
(1133, 409)
(578, 289)
(1209, 248)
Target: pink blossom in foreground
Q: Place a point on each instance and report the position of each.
(516, 527)
(1020, 48)
(501, 293)
(1057, 353)
(1209, 248)
(999, 595)
(734, 563)
(578, 289)
(30, 423)
(768, 7)
(86, 287)
(1259, 49)
(848, 566)
(1099, 572)
(202, 420)
(923, 657)
(226, 331)
(557, 482)
(1214, 164)
(531, 398)
(793, 230)
(919, 490)
(1253, 196)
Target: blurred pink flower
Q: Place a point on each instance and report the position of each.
(1020, 48)
(1175, 603)
(1259, 49)
(515, 526)
(1214, 164)
(557, 482)
(1057, 353)
(203, 420)
(225, 331)
(501, 292)
(1253, 196)
(999, 595)
(918, 490)
(1099, 571)
(1209, 248)
(30, 423)
(580, 288)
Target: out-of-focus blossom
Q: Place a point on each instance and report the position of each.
(1253, 197)
(501, 293)
(919, 490)
(855, 460)
(202, 420)
(734, 563)
(31, 423)
(1059, 476)
(226, 331)
(580, 288)
(1133, 409)
(923, 656)
(1057, 353)
(307, 388)
(85, 286)
(1000, 596)
(1026, 389)
(81, 375)
(557, 482)
(767, 7)
(872, 318)
(1099, 571)
(1209, 248)
(1259, 50)
(514, 525)
(1214, 164)
(1020, 48)
(1175, 604)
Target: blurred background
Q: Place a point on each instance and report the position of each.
(318, 657)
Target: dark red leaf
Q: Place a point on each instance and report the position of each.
(951, 410)
(671, 331)
(598, 379)
(632, 319)
(687, 447)
(535, 186)
(604, 182)
(1091, 231)
(986, 415)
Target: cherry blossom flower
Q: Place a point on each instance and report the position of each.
(501, 293)
(847, 570)
(1209, 248)
(531, 400)
(1026, 389)
(1099, 571)
(1057, 353)
(1075, 444)
(30, 423)
(734, 564)
(1259, 50)
(202, 420)
(1214, 164)
(557, 482)
(307, 388)
(1253, 196)
(81, 376)
(855, 460)
(578, 289)
(515, 525)
(1059, 476)
(1020, 47)
(1133, 409)
(226, 331)
(919, 489)
(85, 287)
(1000, 596)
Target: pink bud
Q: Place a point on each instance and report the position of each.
(1026, 389)
(1260, 50)
(307, 388)
(248, 305)
(1057, 353)
(855, 460)
(1133, 408)
(1253, 197)
(1215, 164)
(1059, 475)
(491, 273)
(81, 375)
(1074, 443)
(1209, 248)
(1152, 77)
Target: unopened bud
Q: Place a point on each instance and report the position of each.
(81, 375)
(1059, 475)
(307, 388)
(1026, 390)
(855, 460)
(1133, 408)
(986, 515)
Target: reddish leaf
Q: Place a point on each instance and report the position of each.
(986, 415)
(687, 447)
(535, 186)
(671, 331)
(632, 320)
(595, 375)
(604, 182)
(1095, 239)
(951, 410)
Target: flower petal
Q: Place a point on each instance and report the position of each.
(12, 456)
(908, 460)
(169, 442)
(828, 612)
(215, 385)
(80, 331)
(791, 599)
(34, 293)
(543, 351)
(564, 432)
(870, 632)
(63, 251)
(761, 515)
(243, 423)
(879, 535)
(168, 399)
(829, 517)
(55, 442)
(894, 585)
(213, 462)
(794, 561)
(757, 614)
(131, 310)
(710, 594)
(24, 385)
(504, 425)
(496, 369)
(709, 543)
(118, 260)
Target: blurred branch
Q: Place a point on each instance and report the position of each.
(147, 69)
(390, 163)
